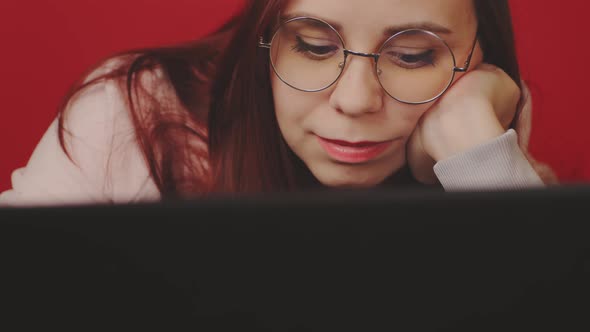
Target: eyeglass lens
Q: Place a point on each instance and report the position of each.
(414, 66)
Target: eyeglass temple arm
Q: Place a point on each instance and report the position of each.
(261, 43)
(468, 62)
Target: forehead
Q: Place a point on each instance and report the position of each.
(371, 15)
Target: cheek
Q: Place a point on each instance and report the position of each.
(403, 118)
(286, 103)
(292, 108)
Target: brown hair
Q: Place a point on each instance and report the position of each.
(221, 134)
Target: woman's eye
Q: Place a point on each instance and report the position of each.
(314, 51)
(412, 60)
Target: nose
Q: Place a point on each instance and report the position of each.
(358, 90)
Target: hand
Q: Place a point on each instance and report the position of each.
(478, 107)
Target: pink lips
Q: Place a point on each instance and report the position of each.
(348, 152)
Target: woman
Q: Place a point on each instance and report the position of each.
(296, 95)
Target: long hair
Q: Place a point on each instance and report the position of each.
(222, 135)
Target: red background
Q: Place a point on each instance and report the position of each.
(47, 45)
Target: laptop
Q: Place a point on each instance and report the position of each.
(367, 260)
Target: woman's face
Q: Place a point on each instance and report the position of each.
(353, 134)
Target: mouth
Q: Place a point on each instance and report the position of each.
(353, 152)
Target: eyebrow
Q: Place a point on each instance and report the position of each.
(388, 31)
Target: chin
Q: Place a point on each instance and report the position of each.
(347, 177)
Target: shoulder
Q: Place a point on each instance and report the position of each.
(95, 111)
(100, 130)
(102, 161)
(100, 111)
(107, 82)
(134, 125)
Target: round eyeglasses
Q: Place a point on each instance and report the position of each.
(413, 66)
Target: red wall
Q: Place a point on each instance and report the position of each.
(47, 45)
(552, 39)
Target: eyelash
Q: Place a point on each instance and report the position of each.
(320, 53)
(420, 59)
(315, 52)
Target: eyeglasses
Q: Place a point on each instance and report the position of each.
(413, 66)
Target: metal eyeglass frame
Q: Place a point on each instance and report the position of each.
(375, 57)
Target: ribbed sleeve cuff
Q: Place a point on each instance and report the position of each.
(496, 165)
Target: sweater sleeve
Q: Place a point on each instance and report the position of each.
(498, 164)
(106, 164)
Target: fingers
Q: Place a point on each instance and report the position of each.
(505, 93)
